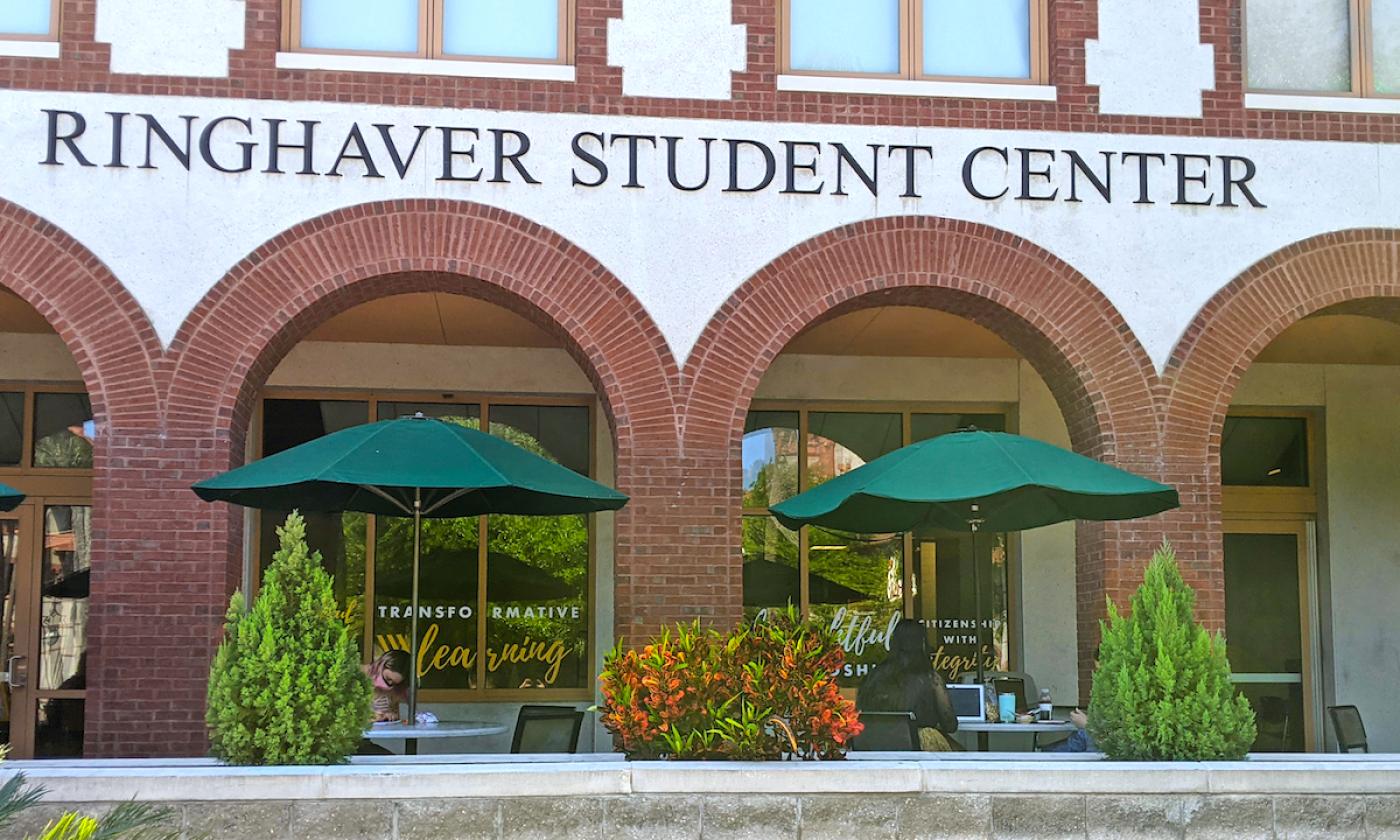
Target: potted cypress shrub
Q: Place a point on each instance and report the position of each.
(286, 685)
(1162, 689)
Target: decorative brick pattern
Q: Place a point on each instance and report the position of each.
(85, 66)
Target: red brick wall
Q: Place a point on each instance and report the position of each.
(165, 563)
(84, 66)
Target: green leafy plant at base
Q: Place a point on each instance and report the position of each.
(286, 685)
(1162, 689)
(127, 821)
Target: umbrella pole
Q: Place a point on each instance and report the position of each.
(975, 522)
(413, 610)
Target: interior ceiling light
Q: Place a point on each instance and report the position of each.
(1275, 471)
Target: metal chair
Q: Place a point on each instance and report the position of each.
(547, 729)
(1346, 723)
(887, 731)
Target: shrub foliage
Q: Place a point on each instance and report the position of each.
(1162, 690)
(759, 692)
(286, 685)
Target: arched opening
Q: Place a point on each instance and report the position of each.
(859, 385)
(1308, 500)
(47, 432)
(513, 609)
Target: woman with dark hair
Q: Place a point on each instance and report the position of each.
(907, 682)
(389, 674)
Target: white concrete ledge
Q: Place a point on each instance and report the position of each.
(916, 87)
(1344, 104)
(425, 66)
(201, 780)
(29, 49)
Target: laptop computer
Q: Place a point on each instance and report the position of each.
(968, 702)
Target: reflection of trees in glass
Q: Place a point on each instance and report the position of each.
(776, 480)
(63, 450)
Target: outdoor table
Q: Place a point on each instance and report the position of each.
(391, 731)
(983, 727)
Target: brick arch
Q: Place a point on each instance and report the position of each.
(1345, 271)
(1049, 312)
(1076, 339)
(268, 302)
(112, 341)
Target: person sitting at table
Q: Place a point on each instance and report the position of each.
(907, 682)
(389, 675)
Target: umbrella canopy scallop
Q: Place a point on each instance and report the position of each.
(458, 471)
(1016, 483)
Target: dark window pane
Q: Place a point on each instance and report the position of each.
(558, 432)
(925, 426)
(945, 600)
(340, 537)
(64, 597)
(58, 729)
(537, 601)
(11, 428)
(840, 441)
(63, 431)
(1264, 452)
(1278, 715)
(288, 423)
(447, 597)
(769, 457)
(771, 577)
(467, 414)
(856, 586)
(1263, 623)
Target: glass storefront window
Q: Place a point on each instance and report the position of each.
(1264, 452)
(62, 648)
(856, 587)
(769, 458)
(340, 537)
(63, 431)
(771, 571)
(945, 602)
(859, 584)
(11, 428)
(525, 624)
(840, 441)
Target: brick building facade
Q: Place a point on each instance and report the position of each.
(179, 287)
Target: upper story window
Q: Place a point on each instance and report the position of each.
(992, 40)
(29, 20)
(492, 30)
(1347, 47)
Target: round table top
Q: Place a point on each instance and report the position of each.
(441, 729)
(1038, 726)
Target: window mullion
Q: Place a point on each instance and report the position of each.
(910, 17)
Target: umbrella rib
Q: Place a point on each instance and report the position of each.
(408, 511)
(450, 497)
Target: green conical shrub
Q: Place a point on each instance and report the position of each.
(286, 685)
(1162, 689)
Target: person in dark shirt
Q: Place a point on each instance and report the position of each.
(907, 682)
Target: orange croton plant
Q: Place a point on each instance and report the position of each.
(759, 692)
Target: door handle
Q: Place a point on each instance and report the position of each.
(15, 679)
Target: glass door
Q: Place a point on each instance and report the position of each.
(1267, 629)
(48, 557)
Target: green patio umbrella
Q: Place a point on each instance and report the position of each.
(414, 466)
(974, 481)
(9, 497)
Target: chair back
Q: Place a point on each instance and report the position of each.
(1346, 723)
(887, 731)
(547, 729)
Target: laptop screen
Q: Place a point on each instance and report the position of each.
(967, 701)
